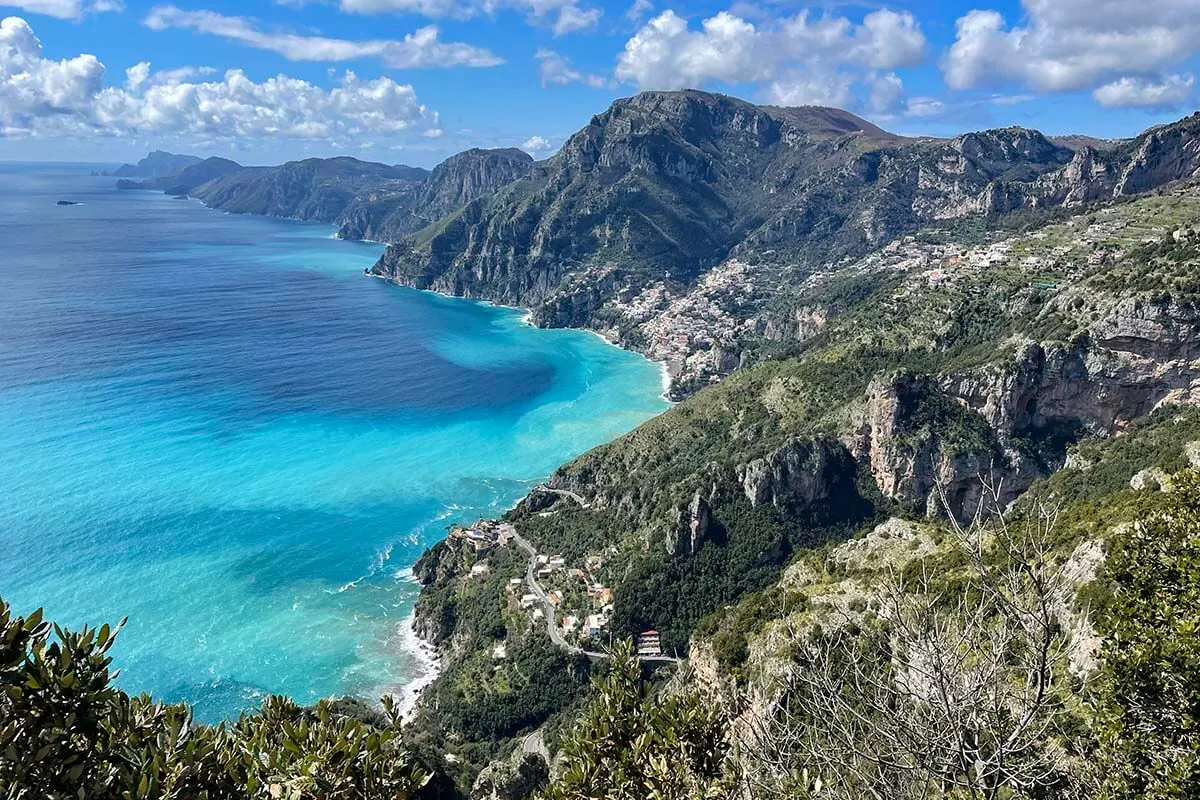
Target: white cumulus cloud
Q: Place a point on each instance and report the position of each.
(1071, 45)
(1170, 92)
(47, 97)
(804, 59)
(421, 48)
(887, 93)
(34, 86)
(555, 69)
(538, 146)
(666, 53)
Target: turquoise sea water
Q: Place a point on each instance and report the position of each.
(218, 426)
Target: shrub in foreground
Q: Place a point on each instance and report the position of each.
(67, 732)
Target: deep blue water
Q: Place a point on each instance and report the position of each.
(218, 426)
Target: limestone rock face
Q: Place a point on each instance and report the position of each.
(793, 477)
(1083, 642)
(692, 527)
(894, 542)
(441, 565)
(804, 323)
(393, 212)
(1157, 157)
(1135, 357)
(915, 460)
(1151, 479)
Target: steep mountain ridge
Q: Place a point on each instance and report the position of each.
(387, 216)
(1160, 155)
(664, 181)
(679, 180)
(315, 189)
(186, 180)
(664, 189)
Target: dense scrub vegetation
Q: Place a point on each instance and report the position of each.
(635, 743)
(67, 732)
(954, 688)
(549, 680)
(671, 594)
(1148, 712)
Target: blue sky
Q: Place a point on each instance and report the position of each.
(412, 81)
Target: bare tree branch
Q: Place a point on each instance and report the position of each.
(954, 685)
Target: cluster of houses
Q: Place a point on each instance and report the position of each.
(687, 330)
(1033, 255)
(552, 568)
(485, 534)
(1099, 243)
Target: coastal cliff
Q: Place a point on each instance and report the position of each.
(157, 164)
(946, 375)
(315, 189)
(187, 179)
(365, 200)
(384, 216)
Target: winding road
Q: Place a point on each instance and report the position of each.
(578, 498)
(552, 628)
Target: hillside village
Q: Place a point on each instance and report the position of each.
(701, 333)
(572, 598)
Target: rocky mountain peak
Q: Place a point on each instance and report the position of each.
(654, 131)
(479, 154)
(1011, 144)
(681, 105)
(470, 175)
(703, 119)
